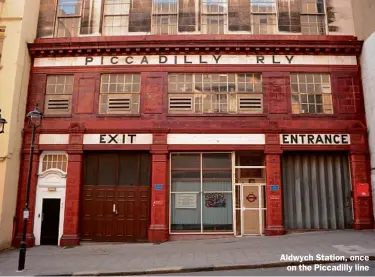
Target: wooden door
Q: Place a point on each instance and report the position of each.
(116, 196)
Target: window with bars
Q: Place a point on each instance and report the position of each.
(311, 93)
(263, 16)
(55, 161)
(119, 94)
(214, 16)
(164, 17)
(215, 93)
(59, 92)
(313, 17)
(116, 17)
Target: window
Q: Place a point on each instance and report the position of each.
(214, 16)
(55, 161)
(116, 17)
(119, 94)
(164, 17)
(238, 15)
(311, 93)
(59, 94)
(215, 93)
(289, 16)
(312, 17)
(201, 192)
(263, 16)
(140, 16)
(68, 18)
(187, 16)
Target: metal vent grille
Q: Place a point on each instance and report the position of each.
(250, 103)
(58, 104)
(180, 103)
(119, 104)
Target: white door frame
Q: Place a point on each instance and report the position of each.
(51, 185)
(242, 209)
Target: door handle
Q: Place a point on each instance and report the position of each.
(114, 209)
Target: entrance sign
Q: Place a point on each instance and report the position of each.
(315, 139)
(185, 201)
(117, 139)
(195, 60)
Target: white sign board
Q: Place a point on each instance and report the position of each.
(185, 201)
(229, 139)
(117, 139)
(195, 60)
(315, 139)
(54, 139)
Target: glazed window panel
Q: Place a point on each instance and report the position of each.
(164, 17)
(215, 93)
(68, 18)
(263, 16)
(119, 94)
(187, 16)
(203, 203)
(116, 17)
(313, 17)
(289, 16)
(59, 90)
(55, 161)
(311, 93)
(214, 16)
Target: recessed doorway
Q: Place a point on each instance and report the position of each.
(50, 222)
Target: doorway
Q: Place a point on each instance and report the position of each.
(116, 199)
(249, 187)
(50, 222)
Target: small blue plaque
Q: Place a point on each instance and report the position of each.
(158, 187)
(274, 187)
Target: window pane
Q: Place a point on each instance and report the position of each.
(140, 16)
(217, 212)
(107, 170)
(186, 16)
(289, 16)
(46, 18)
(186, 212)
(68, 27)
(239, 15)
(69, 7)
(90, 170)
(129, 170)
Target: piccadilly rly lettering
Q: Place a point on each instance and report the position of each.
(184, 59)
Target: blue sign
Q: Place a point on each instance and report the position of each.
(274, 187)
(158, 187)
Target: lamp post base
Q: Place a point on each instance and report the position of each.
(22, 256)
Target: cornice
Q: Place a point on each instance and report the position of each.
(196, 44)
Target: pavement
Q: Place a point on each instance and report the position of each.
(190, 256)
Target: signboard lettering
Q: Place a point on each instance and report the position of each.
(315, 139)
(117, 139)
(186, 201)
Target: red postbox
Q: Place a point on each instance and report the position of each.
(363, 189)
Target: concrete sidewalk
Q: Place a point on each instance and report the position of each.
(247, 252)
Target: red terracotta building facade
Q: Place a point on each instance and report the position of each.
(194, 131)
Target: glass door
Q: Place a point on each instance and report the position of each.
(249, 188)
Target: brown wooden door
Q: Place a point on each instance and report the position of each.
(116, 196)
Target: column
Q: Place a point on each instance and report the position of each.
(73, 187)
(274, 217)
(70, 235)
(158, 230)
(362, 205)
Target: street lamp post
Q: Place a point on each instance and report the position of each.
(2, 123)
(34, 121)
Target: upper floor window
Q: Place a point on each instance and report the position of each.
(167, 17)
(215, 93)
(311, 93)
(55, 161)
(59, 92)
(119, 94)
